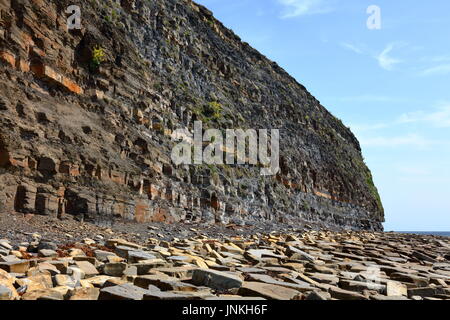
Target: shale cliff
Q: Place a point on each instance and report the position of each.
(87, 115)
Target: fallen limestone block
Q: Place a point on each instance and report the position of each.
(125, 291)
(115, 269)
(324, 278)
(268, 291)
(47, 253)
(76, 273)
(64, 280)
(103, 255)
(136, 256)
(144, 266)
(45, 266)
(342, 294)
(87, 267)
(268, 279)
(45, 294)
(178, 272)
(394, 288)
(409, 278)
(380, 297)
(5, 293)
(427, 291)
(85, 294)
(360, 286)
(21, 266)
(216, 279)
(167, 295)
(151, 279)
(318, 295)
(298, 254)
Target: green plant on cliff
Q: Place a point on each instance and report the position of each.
(213, 110)
(373, 189)
(210, 22)
(362, 167)
(98, 57)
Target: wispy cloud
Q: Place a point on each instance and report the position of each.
(296, 8)
(442, 69)
(352, 47)
(441, 58)
(411, 140)
(369, 98)
(367, 127)
(439, 118)
(386, 61)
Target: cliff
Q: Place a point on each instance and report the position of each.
(87, 116)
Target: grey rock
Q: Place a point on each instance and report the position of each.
(126, 291)
(5, 293)
(114, 269)
(216, 279)
(342, 294)
(318, 295)
(46, 244)
(47, 253)
(136, 256)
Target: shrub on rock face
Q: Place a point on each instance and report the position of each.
(213, 110)
(98, 57)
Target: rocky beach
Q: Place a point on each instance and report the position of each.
(94, 207)
(228, 262)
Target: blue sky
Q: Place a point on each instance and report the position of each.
(390, 86)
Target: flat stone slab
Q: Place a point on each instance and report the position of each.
(44, 294)
(216, 279)
(164, 295)
(85, 294)
(125, 291)
(268, 279)
(267, 291)
(342, 294)
(87, 267)
(5, 293)
(21, 266)
(136, 256)
(395, 289)
(178, 272)
(360, 286)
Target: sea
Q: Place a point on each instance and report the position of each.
(433, 233)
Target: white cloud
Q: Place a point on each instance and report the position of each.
(438, 70)
(369, 98)
(367, 127)
(441, 58)
(439, 118)
(412, 140)
(352, 47)
(385, 61)
(296, 8)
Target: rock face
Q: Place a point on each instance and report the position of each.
(86, 118)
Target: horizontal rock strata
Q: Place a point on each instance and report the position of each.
(90, 137)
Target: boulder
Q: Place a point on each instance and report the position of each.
(216, 279)
(268, 291)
